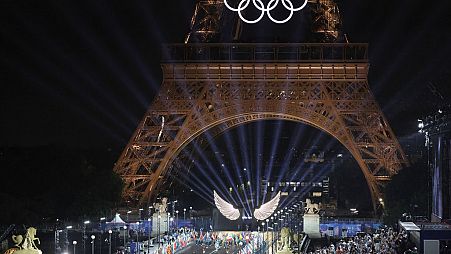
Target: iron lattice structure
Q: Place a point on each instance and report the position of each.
(206, 22)
(215, 87)
(325, 20)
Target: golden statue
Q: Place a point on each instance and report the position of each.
(25, 244)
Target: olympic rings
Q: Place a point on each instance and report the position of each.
(265, 9)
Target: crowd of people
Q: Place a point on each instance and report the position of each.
(176, 241)
(386, 241)
(241, 242)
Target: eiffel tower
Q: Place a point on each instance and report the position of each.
(212, 87)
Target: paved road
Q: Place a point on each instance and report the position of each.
(198, 249)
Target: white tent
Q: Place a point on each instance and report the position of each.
(117, 220)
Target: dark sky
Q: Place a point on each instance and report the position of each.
(82, 73)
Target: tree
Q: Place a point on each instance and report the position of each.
(408, 192)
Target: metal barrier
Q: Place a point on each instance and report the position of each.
(265, 52)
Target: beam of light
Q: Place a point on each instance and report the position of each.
(202, 193)
(230, 145)
(199, 183)
(259, 157)
(425, 72)
(275, 145)
(380, 48)
(285, 86)
(303, 191)
(392, 69)
(244, 144)
(300, 165)
(212, 144)
(100, 51)
(101, 125)
(125, 43)
(85, 78)
(214, 147)
(60, 74)
(301, 162)
(211, 168)
(225, 208)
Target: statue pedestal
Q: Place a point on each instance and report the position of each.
(311, 225)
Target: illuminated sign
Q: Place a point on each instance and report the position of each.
(244, 4)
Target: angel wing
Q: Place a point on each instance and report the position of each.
(267, 208)
(225, 208)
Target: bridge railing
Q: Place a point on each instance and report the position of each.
(265, 52)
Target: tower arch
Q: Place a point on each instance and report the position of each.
(205, 89)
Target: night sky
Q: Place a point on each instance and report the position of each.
(82, 73)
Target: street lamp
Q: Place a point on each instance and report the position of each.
(177, 219)
(125, 233)
(86, 222)
(159, 220)
(191, 212)
(101, 232)
(66, 243)
(137, 237)
(92, 243)
(109, 240)
(168, 221)
(140, 211)
(184, 211)
(276, 228)
(75, 244)
(148, 243)
(128, 212)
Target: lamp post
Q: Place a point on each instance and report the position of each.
(148, 243)
(66, 243)
(267, 229)
(140, 211)
(128, 212)
(137, 237)
(101, 232)
(109, 240)
(263, 232)
(75, 244)
(86, 222)
(276, 228)
(184, 211)
(150, 220)
(177, 219)
(191, 212)
(125, 233)
(92, 243)
(172, 221)
(158, 238)
(168, 222)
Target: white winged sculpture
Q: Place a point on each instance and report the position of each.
(267, 208)
(225, 208)
(232, 213)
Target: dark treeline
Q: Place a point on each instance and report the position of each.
(409, 192)
(48, 182)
